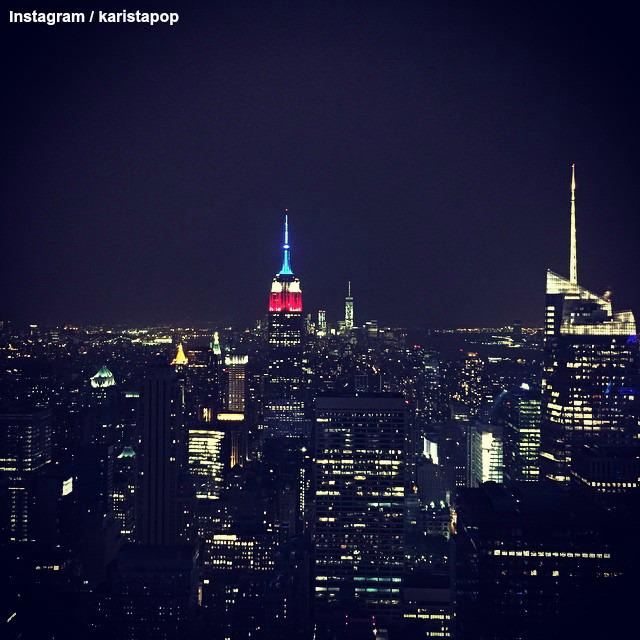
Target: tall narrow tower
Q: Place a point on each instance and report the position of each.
(348, 309)
(236, 375)
(573, 266)
(284, 408)
(161, 457)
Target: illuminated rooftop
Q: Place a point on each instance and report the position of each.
(181, 358)
(102, 379)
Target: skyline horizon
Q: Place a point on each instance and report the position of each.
(434, 178)
(286, 268)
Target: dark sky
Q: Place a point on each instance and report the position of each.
(423, 150)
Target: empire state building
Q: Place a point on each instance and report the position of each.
(284, 405)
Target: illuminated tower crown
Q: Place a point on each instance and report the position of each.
(181, 358)
(286, 294)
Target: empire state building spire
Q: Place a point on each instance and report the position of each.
(573, 266)
(286, 250)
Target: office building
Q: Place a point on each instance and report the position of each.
(236, 375)
(25, 452)
(522, 434)
(359, 484)
(590, 377)
(206, 464)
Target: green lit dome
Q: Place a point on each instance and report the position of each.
(103, 378)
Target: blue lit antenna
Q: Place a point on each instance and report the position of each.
(286, 249)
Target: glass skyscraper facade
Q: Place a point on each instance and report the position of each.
(522, 434)
(589, 384)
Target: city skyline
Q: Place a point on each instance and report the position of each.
(347, 317)
(319, 322)
(432, 177)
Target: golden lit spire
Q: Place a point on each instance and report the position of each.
(180, 358)
(573, 265)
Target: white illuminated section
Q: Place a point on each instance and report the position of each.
(235, 360)
(430, 450)
(67, 486)
(230, 417)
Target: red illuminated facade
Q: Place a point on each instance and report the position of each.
(285, 296)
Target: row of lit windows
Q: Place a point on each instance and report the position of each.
(549, 554)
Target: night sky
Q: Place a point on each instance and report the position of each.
(423, 150)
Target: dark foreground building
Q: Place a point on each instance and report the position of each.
(537, 561)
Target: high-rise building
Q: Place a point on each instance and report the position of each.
(206, 460)
(484, 454)
(160, 458)
(123, 492)
(469, 383)
(491, 443)
(522, 434)
(348, 309)
(236, 375)
(589, 385)
(359, 480)
(25, 451)
(151, 587)
(322, 322)
(284, 406)
(214, 345)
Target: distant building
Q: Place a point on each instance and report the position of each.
(206, 463)
(236, 375)
(322, 322)
(484, 454)
(469, 391)
(25, 452)
(348, 310)
(123, 492)
(284, 405)
(522, 434)
(180, 359)
(102, 379)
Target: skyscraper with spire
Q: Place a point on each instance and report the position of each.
(590, 376)
(348, 309)
(284, 406)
